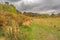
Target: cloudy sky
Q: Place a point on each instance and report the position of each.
(35, 5)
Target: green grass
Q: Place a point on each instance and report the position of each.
(26, 32)
(8, 8)
(39, 31)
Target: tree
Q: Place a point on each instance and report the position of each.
(52, 15)
(7, 3)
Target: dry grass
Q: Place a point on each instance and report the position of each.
(48, 21)
(2, 38)
(45, 29)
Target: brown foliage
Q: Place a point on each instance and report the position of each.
(10, 23)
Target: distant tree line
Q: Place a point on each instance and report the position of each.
(31, 14)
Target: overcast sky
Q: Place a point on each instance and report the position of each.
(35, 5)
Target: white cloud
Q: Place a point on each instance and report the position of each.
(31, 2)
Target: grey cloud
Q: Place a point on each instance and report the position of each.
(11, 0)
(25, 7)
(14, 0)
(47, 5)
(36, 5)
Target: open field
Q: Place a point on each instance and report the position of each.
(44, 29)
(16, 25)
(41, 29)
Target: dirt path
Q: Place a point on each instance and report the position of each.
(39, 33)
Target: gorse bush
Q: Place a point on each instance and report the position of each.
(10, 21)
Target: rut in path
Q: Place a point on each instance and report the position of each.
(39, 33)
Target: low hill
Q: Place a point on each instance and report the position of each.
(7, 7)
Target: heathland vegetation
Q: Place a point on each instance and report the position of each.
(15, 25)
